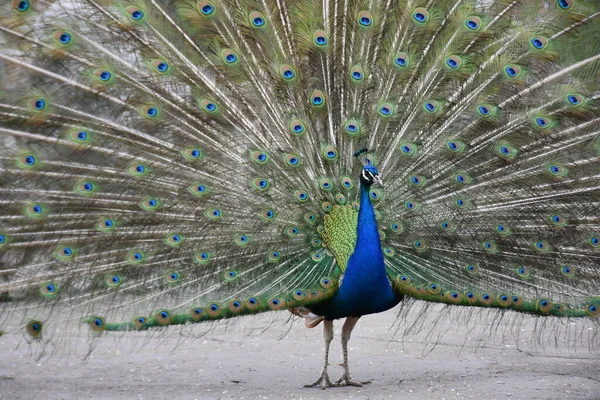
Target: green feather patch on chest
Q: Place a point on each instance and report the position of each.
(339, 233)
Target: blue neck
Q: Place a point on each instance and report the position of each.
(368, 246)
(365, 288)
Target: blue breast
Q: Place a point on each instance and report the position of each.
(365, 288)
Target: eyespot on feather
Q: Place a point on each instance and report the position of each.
(317, 99)
(297, 127)
(329, 153)
(36, 210)
(62, 37)
(37, 104)
(34, 329)
(150, 204)
(205, 8)
(160, 66)
(192, 153)
(420, 16)
(402, 61)
(241, 240)
(287, 72)
(229, 57)
(135, 14)
(21, 6)
(365, 19)
(257, 20)
(320, 38)
(473, 23)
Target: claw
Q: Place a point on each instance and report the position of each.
(323, 382)
(346, 380)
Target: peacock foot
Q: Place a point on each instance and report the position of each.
(346, 380)
(323, 382)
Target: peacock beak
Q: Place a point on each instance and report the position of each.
(378, 180)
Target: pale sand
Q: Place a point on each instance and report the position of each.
(239, 361)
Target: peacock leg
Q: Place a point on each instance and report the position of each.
(346, 380)
(323, 382)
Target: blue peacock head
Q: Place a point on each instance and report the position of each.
(370, 175)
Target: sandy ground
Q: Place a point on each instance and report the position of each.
(244, 360)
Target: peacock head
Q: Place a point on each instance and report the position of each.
(370, 175)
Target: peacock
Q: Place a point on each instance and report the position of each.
(184, 161)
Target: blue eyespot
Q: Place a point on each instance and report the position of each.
(471, 24)
(298, 128)
(152, 202)
(452, 63)
(317, 100)
(573, 99)
(356, 75)
(511, 71)
(115, 279)
(453, 146)
(151, 112)
(288, 74)
(197, 311)
(258, 21)
(321, 40)
(82, 135)
(366, 21)
(484, 110)
(67, 251)
(430, 106)
(485, 296)
(420, 17)
(565, 4)
(162, 66)
(210, 106)
(140, 169)
(537, 43)
(385, 110)
(216, 213)
(207, 9)
(164, 314)
(141, 320)
(470, 295)
(302, 196)
(64, 38)
(50, 288)
(39, 104)
(98, 322)
(137, 15)
(36, 209)
(541, 122)
(30, 160)
(137, 256)
(401, 61)
(195, 153)
(275, 302)
(105, 75)
(23, 6)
